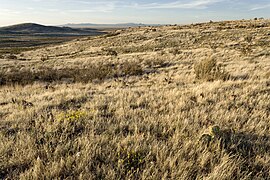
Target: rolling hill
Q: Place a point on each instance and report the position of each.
(30, 28)
(30, 35)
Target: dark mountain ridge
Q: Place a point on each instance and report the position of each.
(29, 28)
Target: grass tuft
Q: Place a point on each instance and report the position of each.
(209, 70)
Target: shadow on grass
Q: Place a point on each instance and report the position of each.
(242, 144)
(248, 147)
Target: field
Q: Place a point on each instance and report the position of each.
(170, 102)
(17, 43)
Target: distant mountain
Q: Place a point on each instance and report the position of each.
(97, 26)
(32, 28)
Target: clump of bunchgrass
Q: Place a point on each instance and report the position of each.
(209, 70)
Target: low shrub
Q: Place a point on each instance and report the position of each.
(97, 71)
(131, 161)
(71, 116)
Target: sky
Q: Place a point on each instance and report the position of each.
(59, 12)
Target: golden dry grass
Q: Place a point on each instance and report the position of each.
(159, 122)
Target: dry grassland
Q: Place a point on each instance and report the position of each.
(172, 102)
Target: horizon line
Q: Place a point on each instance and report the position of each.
(123, 23)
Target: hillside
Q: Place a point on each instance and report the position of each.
(37, 28)
(21, 37)
(170, 102)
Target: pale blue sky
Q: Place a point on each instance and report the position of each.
(56, 12)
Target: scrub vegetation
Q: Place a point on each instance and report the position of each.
(170, 102)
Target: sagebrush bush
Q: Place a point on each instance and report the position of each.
(209, 70)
